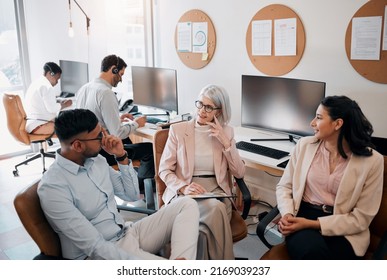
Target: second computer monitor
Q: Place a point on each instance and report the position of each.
(280, 104)
(74, 75)
(155, 87)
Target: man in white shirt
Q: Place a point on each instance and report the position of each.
(40, 101)
(98, 97)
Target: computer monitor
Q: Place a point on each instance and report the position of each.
(280, 104)
(155, 87)
(74, 75)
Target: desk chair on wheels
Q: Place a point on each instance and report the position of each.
(378, 228)
(238, 225)
(16, 122)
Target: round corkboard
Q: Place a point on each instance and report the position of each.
(191, 59)
(276, 65)
(373, 70)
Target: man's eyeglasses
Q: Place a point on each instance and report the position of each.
(99, 138)
(207, 108)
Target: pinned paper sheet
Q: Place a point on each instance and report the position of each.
(261, 37)
(366, 36)
(285, 36)
(184, 34)
(199, 37)
(204, 56)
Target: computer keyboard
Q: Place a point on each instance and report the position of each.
(64, 94)
(154, 120)
(261, 150)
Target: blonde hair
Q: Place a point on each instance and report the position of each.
(220, 98)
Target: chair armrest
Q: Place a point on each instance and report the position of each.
(262, 225)
(149, 187)
(149, 183)
(246, 196)
(135, 209)
(381, 250)
(149, 200)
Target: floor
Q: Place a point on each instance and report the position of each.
(16, 244)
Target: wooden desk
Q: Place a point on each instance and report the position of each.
(146, 132)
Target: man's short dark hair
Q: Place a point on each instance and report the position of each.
(112, 60)
(52, 67)
(70, 123)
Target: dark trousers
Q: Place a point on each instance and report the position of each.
(140, 151)
(310, 244)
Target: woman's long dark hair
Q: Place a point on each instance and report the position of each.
(356, 129)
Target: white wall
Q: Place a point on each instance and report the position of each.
(47, 24)
(324, 58)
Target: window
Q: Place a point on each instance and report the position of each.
(10, 70)
(13, 61)
(129, 26)
(139, 53)
(129, 36)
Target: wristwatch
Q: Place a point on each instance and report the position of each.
(121, 158)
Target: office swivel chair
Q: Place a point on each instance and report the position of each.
(27, 205)
(238, 225)
(16, 122)
(378, 229)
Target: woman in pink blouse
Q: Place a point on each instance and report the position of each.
(196, 159)
(332, 187)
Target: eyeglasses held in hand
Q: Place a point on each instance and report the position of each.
(207, 108)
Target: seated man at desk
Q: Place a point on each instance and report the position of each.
(40, 101)
(98, 97)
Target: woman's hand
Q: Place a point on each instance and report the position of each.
(285, 226)
(289, 224)
(192, 188)
(218, 132)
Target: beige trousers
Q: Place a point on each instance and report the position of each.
(177, 224)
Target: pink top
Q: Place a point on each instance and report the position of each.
(321, 186)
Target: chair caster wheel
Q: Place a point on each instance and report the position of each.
(15, 173)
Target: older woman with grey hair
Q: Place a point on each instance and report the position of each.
(196, 160)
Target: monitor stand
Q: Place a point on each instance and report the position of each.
(290, 138)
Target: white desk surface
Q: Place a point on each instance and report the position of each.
(147, 131)
(245, 134)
